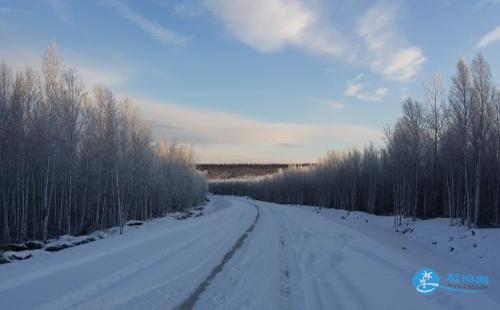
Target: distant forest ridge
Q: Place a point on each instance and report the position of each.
(230, 171)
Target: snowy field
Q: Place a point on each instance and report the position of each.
(246, 254)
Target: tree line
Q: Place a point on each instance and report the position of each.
(440, 159)
(242, 170)
(73, 161)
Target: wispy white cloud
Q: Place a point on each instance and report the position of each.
(401, 65)
(358, 77)
(388, 53)
(356, 90)
(489, 38)
(91, 72)
(62, 9)
(269, 25)
(335, 104)
(155, 30)
(220, 136)
(206, 126)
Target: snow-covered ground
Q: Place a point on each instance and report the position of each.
(292, 258)
(36, 248)
(472, 247)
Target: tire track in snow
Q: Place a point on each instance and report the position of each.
(6, 284)
(284, 275)
(85, 293)
(193, 298)
(317, 262)
(291, 296)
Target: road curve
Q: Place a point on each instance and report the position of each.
(244, 255)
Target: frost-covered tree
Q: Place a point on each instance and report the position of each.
(73, 160)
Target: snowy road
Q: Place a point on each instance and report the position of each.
(245, 255)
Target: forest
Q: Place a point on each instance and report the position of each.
(228, 171)
(441, 158)
(74, 160)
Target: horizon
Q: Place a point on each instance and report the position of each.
(257, 81)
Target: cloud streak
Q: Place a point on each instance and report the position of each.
(390, 56)
(271, 25)
(356, 90)
(489, 38)
(155, 30)
(334, 104)
(21, 56)
(227, 137)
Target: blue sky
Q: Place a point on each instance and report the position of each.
(258, 80)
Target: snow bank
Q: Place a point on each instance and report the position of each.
(18, 252)
(477, 246)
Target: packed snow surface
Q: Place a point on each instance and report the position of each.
(247, 254)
